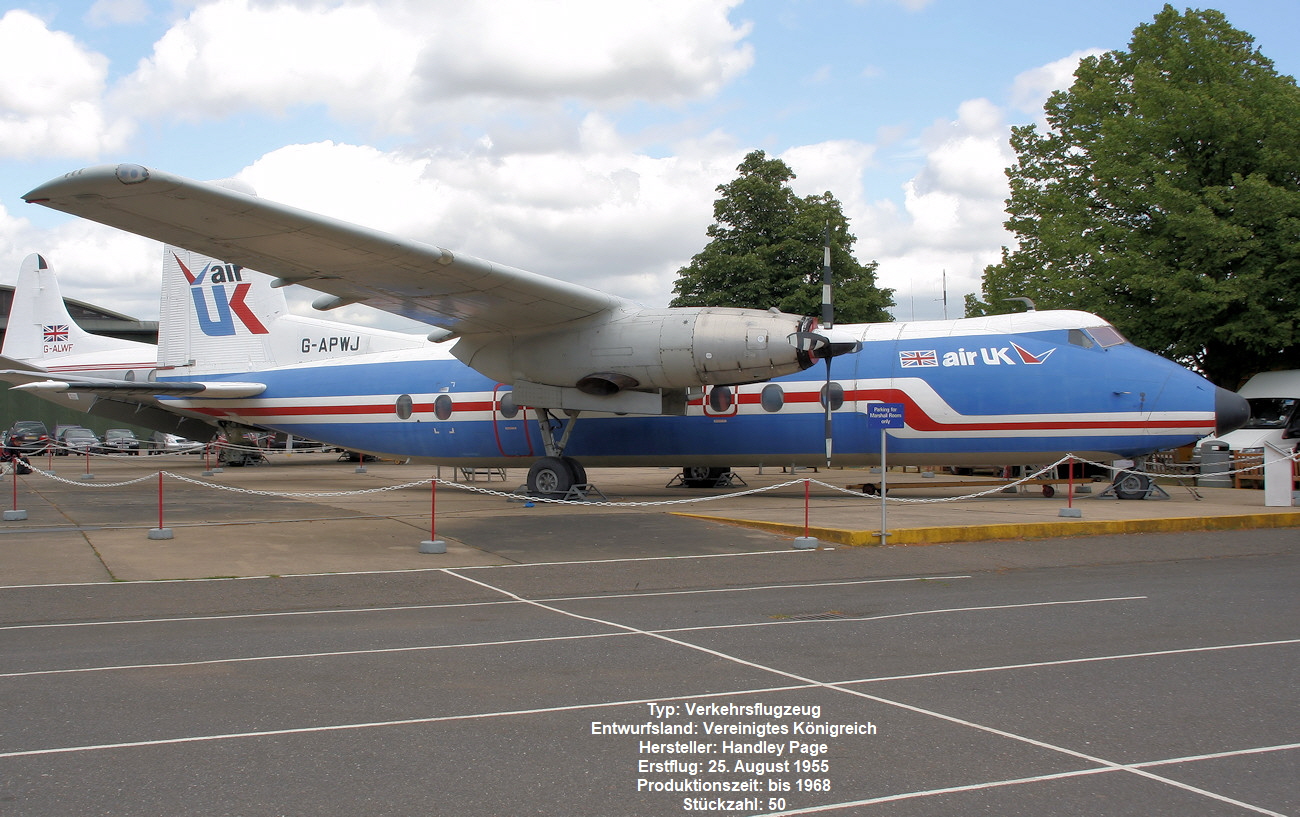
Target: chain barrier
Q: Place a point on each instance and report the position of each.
(516, 495)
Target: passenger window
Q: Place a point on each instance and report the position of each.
(772, 398)
(507, 405)
(836, 395)
(720, 398)
(442, 407)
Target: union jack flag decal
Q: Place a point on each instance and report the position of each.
(908, 360)
(57, 333)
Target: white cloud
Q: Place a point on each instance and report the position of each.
(1032, 88)
(93, 263)
(397, 65)
(661, 50)
(603, 215)
(50, 98)
(233, 56)
(951, 218)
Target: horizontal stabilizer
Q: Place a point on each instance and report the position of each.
(41, 382)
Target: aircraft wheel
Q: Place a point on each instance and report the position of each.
(701, 476)
(1132, 486)
(550, 475)
(1049, 491)
(579, 473)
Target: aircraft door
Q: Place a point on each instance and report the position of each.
(510, 424)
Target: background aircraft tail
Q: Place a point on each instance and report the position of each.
(41, 332)
(220, 318)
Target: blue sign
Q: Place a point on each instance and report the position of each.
(885, 415)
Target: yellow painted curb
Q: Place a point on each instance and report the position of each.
(1022, 530)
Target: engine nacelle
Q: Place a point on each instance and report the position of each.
(647, 349)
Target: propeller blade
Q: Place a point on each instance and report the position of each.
(827, 400)
(828, 311)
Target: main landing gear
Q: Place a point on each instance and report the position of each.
(555, 474)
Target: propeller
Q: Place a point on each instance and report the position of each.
(821, 341)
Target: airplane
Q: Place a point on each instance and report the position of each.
(42, 342)
(45, 350)
(704, 388)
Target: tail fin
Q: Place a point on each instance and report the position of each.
(220, 318)
(42, 333)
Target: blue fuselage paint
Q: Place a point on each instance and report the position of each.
(975, 399)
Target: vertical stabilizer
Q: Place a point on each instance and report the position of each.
(214, 316)
(220, 318)
(41, 331)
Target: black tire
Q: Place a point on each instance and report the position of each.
(1132, 485)
(551, 476)
(579, 473)
(702, 476)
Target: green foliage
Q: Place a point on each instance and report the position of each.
(765, 250)
(1165, 196)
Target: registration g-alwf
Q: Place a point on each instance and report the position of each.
(609, 382)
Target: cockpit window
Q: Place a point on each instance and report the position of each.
(1270, 412)
(1106, 335)
(1078, 337)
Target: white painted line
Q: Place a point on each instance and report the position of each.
(238, 616)
(898, 704)
(345, 727)
(1068, 661)
(852, 619)
(514, 565)
(508, 642)
(313, 655)
(994, 784)
(401, 608)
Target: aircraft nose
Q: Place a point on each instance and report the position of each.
(1231, 411)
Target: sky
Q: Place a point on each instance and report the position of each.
(580, 139)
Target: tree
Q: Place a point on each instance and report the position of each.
(1165, 196)
(766, 250)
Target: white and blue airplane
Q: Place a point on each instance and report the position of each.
(611, 383)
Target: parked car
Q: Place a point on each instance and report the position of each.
(160, 442)
(120, 440)
(75, 439)
(28, 437)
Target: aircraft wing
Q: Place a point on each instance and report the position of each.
(40, 381)
(355, 264)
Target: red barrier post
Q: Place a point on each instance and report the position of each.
(15, 515)
(433, 544)
(806, 494)
(160, 532)
(805, 541)
(1069, 501)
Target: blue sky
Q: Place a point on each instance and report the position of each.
(578, 139)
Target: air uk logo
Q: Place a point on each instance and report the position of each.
(230, 305)
(1012, 355)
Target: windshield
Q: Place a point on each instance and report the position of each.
(1270, 412)
(1107, 336)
